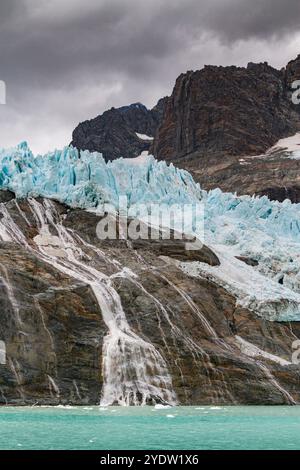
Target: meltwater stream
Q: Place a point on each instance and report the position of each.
(134, 372)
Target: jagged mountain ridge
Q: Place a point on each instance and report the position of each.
(215, 117)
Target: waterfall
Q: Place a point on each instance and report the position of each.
(134, 372)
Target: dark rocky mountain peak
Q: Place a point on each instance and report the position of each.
(114, 133)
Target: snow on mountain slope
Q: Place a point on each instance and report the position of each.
(264, 233)
(288, 147)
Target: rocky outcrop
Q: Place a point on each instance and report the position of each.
(6, 196)
(114, 133)
(176, 249)
(54, 330)
(275, 176)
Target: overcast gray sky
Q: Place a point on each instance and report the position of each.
(65, 61)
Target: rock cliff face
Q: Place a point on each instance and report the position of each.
(114, 133)
(227, 111)
(66, 298)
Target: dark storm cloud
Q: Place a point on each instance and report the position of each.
(67, 60)
(120, 34)
(8, 8)
(238, 19)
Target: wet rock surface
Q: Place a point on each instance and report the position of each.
(54, 328)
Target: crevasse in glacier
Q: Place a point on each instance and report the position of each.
(267, 232)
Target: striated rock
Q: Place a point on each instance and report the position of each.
(52, 324)
(114, 132)
(52, 328)
(249, 261)
(292, 74)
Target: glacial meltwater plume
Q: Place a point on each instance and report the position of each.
(134, 372)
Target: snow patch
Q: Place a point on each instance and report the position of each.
(290, 144)
(144, 136)
(288, 147)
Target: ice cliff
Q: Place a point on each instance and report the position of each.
(265, 234)
(85, 180)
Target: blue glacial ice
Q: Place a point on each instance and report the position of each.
(85, 180)
(257, 228)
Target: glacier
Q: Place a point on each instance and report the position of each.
(85, 180)
(266, 232)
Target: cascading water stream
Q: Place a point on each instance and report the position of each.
(134, 372)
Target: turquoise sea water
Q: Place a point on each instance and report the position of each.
(247, 427)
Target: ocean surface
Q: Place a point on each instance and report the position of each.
(148, 428)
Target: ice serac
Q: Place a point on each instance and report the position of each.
(218, 124)
(84, 179)
(86, 319)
